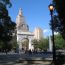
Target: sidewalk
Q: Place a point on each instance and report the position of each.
(25, 59)
(27, 63)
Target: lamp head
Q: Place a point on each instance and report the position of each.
(51, 7)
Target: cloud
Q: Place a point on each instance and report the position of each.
(48, 31)
(55, 33)
(45, 30)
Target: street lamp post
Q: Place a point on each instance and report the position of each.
(51, 8)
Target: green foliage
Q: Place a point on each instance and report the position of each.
(6, 2)
(40, 44)
(35, 43)
(60, 10)
(56, 24)
(59, 42)
(6, 25)
(43, 44)
(13, 42)
(1, 44)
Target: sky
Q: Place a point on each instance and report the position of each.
(36, 13)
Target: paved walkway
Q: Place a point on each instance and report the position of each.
(22, 59)
(26, 63)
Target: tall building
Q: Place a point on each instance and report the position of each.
(20, 22)
(38, 33)
(24, 37)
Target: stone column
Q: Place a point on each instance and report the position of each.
(30, 44)
(19, 42)
(20, 47)
(50, 44)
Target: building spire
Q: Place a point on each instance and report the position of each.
(20, 21)
(20, 12)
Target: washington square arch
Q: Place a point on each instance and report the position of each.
(24, 36)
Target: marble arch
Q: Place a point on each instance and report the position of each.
(23, 31)
(21, 37)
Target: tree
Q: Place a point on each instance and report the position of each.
(13, 42)
(56, 24)
(60, 10)
(6, 25)
(59, 42)
(35, 43)
(41, 44)
(6, 2)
